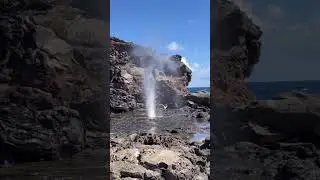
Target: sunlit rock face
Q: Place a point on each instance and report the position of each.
(129, 63)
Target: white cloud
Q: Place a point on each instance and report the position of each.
(174, 46)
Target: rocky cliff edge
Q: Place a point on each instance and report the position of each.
(53, 79)
(129, 64)
(235, 49)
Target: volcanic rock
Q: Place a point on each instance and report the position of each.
(264, 139)
(128, 62)
(201, 98)
(291, 115)
(169, 157)
(236, 49)
(52, 67)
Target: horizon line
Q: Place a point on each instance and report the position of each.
(272, 81)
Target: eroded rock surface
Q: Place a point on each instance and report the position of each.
(265, 139)
(128, 67)
(51, 88)
(288, 116)
(157, 157)
(52, 79)
(236, 49)
(200, 98)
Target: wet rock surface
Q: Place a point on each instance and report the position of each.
(169, 146)
(183, 119)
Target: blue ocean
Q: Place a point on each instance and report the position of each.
(196, 89)
(267, 90)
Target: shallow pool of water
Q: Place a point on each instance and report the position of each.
(204, 132)
(200, 136)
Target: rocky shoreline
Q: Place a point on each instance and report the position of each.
(52, 87)
(147, 156)
(269, 139)
(53, 112)
(163, 147)
(256, 139)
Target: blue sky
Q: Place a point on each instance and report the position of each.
(168, 26)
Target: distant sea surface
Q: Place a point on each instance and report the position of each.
(267, 90)
(196, 89)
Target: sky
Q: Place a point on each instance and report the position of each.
(172, 27)
(290, 43)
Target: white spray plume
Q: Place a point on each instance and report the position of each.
(150, 62)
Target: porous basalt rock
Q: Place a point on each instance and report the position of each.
(235, 49)
(157, 157)
(53, 71)
(51, 87)
(128, 62)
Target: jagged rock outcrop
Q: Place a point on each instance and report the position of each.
(265, 139)
(288, 116)
(128, 63)
(201, 98)
(53, 64)
(53, 71)
(235, 49)
(279, 137)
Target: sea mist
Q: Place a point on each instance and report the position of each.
(152, 63)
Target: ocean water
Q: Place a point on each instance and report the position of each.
(264, 91)
(267, 90)
(196, 89)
